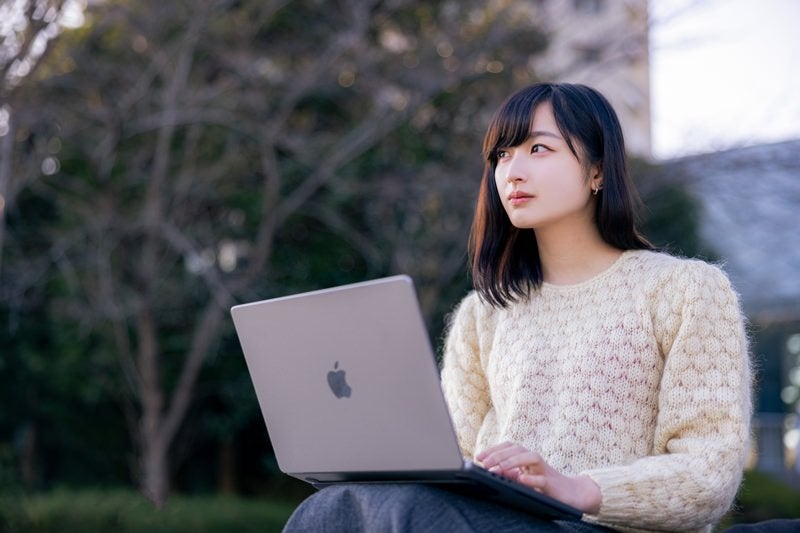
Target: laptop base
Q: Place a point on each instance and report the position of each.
(472, 481)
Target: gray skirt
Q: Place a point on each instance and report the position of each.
(413, 508)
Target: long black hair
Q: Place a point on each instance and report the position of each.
(504, 259)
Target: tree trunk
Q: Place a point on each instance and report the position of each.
(226, 473)
(154, 447)
(6, 151)
(155, 472)
(27, 457)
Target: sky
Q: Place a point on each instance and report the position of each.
(724, 73)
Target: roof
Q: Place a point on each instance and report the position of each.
(751, 218)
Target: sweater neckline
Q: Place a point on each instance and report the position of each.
(616, 265)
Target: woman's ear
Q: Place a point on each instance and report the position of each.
(596, 173)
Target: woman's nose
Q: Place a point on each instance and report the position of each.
(514, 170)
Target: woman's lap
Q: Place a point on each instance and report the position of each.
(412, 507)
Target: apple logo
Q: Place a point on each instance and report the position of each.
(338, 382)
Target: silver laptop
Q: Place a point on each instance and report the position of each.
(349, 389)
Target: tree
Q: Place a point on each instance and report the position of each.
(194, 133)
(26, 29)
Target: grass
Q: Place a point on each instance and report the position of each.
(123, 511)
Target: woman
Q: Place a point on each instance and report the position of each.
(584, 365)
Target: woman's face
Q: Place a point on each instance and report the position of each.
(541, 182)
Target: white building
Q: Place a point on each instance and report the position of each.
(604, 44)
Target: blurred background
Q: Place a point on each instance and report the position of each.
(161, 161)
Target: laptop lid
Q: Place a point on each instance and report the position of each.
(347, 382)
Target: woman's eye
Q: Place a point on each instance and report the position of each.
(501, 154)
(537, 148)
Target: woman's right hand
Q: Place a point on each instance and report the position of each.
(529, 468)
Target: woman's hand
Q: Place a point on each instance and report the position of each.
(524, 466)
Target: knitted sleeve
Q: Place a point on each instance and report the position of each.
(463, 381)
(704, 409)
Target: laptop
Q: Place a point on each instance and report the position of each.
(349, 388)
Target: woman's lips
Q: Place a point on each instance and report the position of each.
(519, 198)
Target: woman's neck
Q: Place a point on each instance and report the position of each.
(570, 257)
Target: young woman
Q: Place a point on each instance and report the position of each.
(585, 365)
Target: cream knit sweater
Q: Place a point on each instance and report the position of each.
(638, 378)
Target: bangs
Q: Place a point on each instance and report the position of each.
(511, 125)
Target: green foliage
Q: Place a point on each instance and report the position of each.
(763, 497)
(673, 222)
(124, 511)
(9, 479)
(671, 213)
(311, 255)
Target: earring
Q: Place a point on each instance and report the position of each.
(595, 191)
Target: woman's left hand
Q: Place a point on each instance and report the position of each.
(527, 467)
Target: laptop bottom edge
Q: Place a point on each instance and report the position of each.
(474, 483)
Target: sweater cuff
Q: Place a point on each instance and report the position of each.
(618, 496)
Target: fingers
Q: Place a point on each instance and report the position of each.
(511, 460)
(482, 456)
(534, 481)
(500, 452)
(529, 468)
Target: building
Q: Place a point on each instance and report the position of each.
(604, 44)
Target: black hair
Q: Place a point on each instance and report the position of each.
(504, 259)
